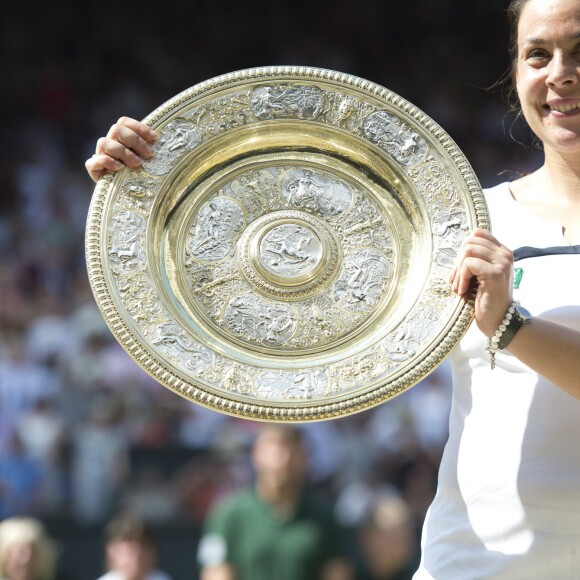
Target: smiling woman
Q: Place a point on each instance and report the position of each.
(547, 73)
(508, 503)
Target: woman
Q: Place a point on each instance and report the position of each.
(26, 551)
(508, 503)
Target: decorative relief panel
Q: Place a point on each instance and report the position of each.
(214, 233)
(300, 385)
(170, 339)
(258, 320)
(394, 136)
(290, 250)
(177, 139)
(306, 189)
(406, 340)
(363, 280)
(126, 250)
(287, 101)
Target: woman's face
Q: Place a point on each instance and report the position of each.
(548, 71)
(20, 561)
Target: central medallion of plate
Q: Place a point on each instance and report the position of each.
(291, 251)
(288, 254)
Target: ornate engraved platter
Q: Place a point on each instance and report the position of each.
(285, 255)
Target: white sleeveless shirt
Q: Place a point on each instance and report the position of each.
(508, 499)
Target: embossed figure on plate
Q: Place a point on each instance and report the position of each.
(407, 339)
(256, 191)
(170, 339)
(137, 192)
(290, 250)
(302, 102)
(450, 228)
(179, 137)
(141, 301)
(214, 235)
(363, 279)
(307, 189)
(391, 134)
(303, 385)
(259, 321)
(126, 251)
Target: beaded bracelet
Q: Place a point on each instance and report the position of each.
(493, 342)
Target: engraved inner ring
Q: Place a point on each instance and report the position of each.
(289, 255)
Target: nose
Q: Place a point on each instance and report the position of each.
(563, 71)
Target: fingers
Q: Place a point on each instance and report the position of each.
(138, 127)
(134, 135)
(98, 164)
(482, 257)
(116, 149)
(128, 143)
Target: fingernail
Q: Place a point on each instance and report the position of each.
(149, 150)
(154, 136)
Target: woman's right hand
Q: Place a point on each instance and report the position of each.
(127, 144)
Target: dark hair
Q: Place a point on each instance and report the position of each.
(128, 527)
(289, 433)
(514, 13)
(508, 81)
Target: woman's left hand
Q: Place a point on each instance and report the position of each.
(485, 259)
(549, 348)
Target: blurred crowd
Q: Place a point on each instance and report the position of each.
(84, 433)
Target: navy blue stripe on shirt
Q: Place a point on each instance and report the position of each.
(529, 252)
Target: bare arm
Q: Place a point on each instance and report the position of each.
(550, 349)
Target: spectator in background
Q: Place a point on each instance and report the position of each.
(388, 541)
(26, 551)
(20, 481)
(130, 551)
(100, 459)
(23, 381)
(277, 529)
(42, 432)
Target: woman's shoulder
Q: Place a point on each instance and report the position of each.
(521, 188)
(515, 219)
(505, 213)
(499, 198)
(500, 190)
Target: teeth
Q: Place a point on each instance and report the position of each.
(565, 108)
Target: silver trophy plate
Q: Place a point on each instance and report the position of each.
(285, 255)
